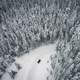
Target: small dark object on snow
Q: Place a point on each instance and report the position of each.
(38, 61)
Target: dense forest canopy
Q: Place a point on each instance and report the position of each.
(26, 24)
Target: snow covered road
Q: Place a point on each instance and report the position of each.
(31, 69)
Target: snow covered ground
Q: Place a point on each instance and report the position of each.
(31, 70)
(36, 64)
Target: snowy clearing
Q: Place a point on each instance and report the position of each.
(31, 70)
(36, 64)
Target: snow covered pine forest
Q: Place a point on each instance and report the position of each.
(39, 39)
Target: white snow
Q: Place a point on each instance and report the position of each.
(31, 70)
